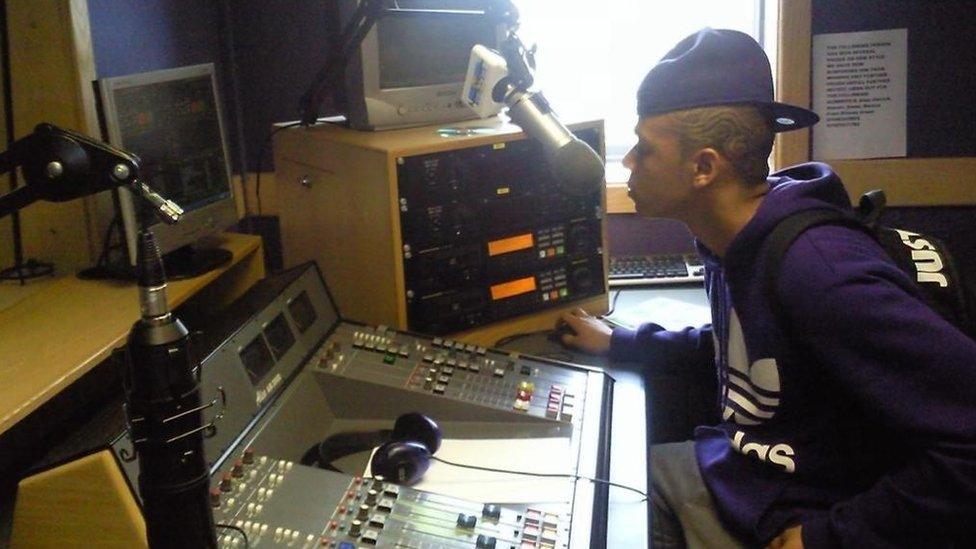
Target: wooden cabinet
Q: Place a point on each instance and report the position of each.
(340, 205)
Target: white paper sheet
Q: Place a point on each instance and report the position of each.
(537, 455)
(670, 313)
(860, 89)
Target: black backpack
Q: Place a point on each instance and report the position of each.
(926, 259)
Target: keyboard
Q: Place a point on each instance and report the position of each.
(637, 270)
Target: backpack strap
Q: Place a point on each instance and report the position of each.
(779, 240)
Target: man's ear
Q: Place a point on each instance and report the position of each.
(707, 165)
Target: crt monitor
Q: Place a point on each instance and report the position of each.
(173, 120)
(410, 67)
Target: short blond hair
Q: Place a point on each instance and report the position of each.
(741, 133)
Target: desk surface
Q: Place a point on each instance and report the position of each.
(628, 519)
(55, 330)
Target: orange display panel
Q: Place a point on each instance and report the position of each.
(511, 244)
(515, 287)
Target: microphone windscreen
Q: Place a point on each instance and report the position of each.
(577, 168)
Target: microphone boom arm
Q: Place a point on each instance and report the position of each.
(60, 165)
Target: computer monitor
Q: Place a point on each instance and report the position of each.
(410, 67)
(173, 120)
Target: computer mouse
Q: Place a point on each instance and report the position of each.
(562, 327)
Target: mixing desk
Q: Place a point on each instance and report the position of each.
(290, 373)
(279, 503)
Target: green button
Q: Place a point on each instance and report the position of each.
(563, 292)
(389, 359)
(560, 249)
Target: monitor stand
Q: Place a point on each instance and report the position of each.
(189, 262)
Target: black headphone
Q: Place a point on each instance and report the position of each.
(403, 455)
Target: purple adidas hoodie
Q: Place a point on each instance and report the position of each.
(863, 429)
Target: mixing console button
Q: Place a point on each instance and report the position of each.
(428, 358)
(499, 372)
(346, 545)
(370, 345)
(444, 379)
(439, 389)
(484, 542)
(437, 342)
(389, 359)
(491, 511)
(530, 533)
(378, 521)
(462, 364)
(385, 505)
(438, 361)
(521, 406)
(381, 348)
(370, 537)
(391, 490)
(474, 368)
(447, 370)
(404, 352)
(469, 348)
(482, 351)
(467, 521)
(428, 382)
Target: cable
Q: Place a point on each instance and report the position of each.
(508, 339)
(547, 475)
(613, 306)
(239, 530)
(264, 147)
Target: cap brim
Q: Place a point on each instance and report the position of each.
(788, 117)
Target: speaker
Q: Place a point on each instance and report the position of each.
(403, 455)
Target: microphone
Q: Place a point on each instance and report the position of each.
(165, 416)
(494, 81)
(576, 166)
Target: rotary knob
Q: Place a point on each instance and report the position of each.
(582, 278)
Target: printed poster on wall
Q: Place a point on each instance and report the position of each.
(860, 91)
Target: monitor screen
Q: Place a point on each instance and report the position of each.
(173, 121)
(422, 49)
(411, 65)
(174, 128)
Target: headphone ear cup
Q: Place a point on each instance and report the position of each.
(401, 462)
(415, 426)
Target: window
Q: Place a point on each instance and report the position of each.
(592, 55)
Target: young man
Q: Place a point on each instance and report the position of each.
(851, 422)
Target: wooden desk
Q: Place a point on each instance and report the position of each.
(54, 331)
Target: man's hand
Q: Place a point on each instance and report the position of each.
(789, 539)
(586, 332)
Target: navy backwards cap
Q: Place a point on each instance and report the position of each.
(715, 67)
